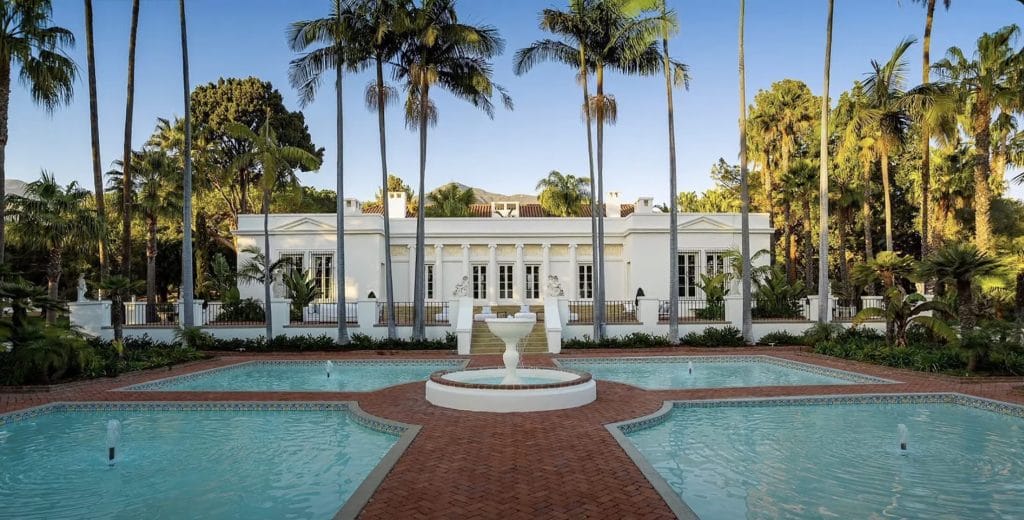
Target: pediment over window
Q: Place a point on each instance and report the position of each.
(705, 222)
(304, 225)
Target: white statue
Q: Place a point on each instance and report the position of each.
(278, 286)
(462, 288)
(554, 286)
(81, 288)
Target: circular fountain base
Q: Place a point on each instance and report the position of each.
(541, 389)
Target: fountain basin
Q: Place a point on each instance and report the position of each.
(540, 389)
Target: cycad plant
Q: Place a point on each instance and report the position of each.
(441, 52)
(902, 310)
(960, 265)
(778, 298)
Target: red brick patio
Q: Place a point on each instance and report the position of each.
(560, 464)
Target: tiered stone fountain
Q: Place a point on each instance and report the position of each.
(511, 389)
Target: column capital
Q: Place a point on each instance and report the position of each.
(545, 246)
(573, 246)
(492, 247)
(519, 247)
(410, 246)
(438, 246)
(465, 246)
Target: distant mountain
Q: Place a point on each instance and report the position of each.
(14, 186)
(486, 197)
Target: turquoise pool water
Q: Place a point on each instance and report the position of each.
(840, 461)
(667, 372)
(285, 376)
(218, 464)
(496, 380)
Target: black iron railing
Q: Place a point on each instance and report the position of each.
(233, 313)
(616, 312)
(692, 309)
(323, 313)
(153, 314)
(435, 313)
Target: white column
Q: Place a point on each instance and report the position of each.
(412, 272)
(519, 289)
(492, 274)
(465, 259)
(545, 268)
(439, 293)
(574, 286)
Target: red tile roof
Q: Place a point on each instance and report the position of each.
(525, 211)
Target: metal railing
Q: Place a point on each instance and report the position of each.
(616, 312)
(435, 313)
(691, 309)
(798, 310)
(241, 312)
(323, 313)
(152, 314)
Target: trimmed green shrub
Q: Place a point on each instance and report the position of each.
(781, 337)
(714, 337)
(247, 310)
(632, 340)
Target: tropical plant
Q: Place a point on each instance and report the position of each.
(746, 282)
(54, 220)
(778, 298)
(119, 288)
(302, 290)
(715, 288)
(985, 84)
(221, 282)
(961, 265)
(441, 52)
(30, 42)
(274, 161)
(52, 354)
(823, 282)
(126, 161)
(337, 34)
(450, 201)
(902, 310)
(194, 338)
(563, 195)
(888, 268)
(254, 269)
(22, 297)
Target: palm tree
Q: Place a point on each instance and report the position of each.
(573, 26)
(984, 84)
(960, 265)
(126, 161)
(334, 32)
(444, 53)
(154, 189)
(274, 160)
(186, 185)
(383, 18)
(94, 132)
(823, 288)
(891, 269)
(747, 327)
(563, 195)
(902, 310)
(54, 220)
(885, 89)
(119, 288)
(28, 41)
(450, 201)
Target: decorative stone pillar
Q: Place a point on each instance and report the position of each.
(465, 260)
(412, 272)
(439, 294)
(545, 267)
(519, 287)
(492, 274)
(574, 286)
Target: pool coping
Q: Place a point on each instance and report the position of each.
(155, 384)
(850, 377)
(620, 429)
(404, 432)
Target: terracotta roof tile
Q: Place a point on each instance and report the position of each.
(525, 210)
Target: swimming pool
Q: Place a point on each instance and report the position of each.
(193, 460)
(834, 457)
(670, 372)
(309, 376)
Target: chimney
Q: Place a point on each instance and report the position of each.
(396, 204)
(353, 207)
(644, 205)
(613, 206)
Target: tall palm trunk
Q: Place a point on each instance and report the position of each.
(982, 190)
(151, 250)
(5, 102)
(340, 201)
(268, 275)
(186, 241)
(94, 131)
(389, 284)
(926, 177)
(748, 331)
(845, 219)
(673, 237)
(869, 240)
(888, 201)
(808, 240)
(823, 288)
(598, 255)
(790, 243)
(419, 292)
(53, 272)
(126, 190)
(1018, 300)
(590, 159)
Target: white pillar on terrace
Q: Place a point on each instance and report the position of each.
(492, 274)
(439, 272)
(574, 288)
(412, 271)
(519, 277)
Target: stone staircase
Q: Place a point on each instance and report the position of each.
(486, 343)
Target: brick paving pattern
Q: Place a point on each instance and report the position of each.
(560, 464)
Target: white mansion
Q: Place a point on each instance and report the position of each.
(506, 250)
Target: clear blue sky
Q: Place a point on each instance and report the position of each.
(509, 154)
